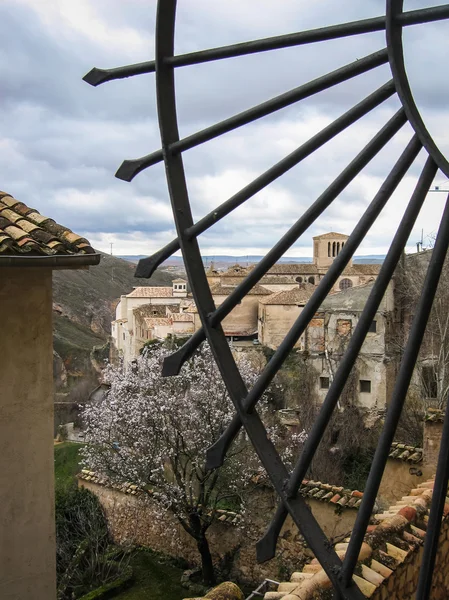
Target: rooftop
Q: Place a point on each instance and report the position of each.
(296, 296)
(27, 237)
(331, 235)
(224, 290)
(151, 292)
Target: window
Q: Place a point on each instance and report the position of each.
(299, 279)
(123, 336)
(328, 248)
(312, 280)
(373, 327)
(345, 284)
(333, 248)
(365, 386)
(344, 327)
(429, 381)
(324, 383)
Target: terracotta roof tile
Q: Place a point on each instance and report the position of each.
(24, 231)
(411, 454)
(224, 290)
(293, 269)
(297, 295)
(394, 539)
(151, 292)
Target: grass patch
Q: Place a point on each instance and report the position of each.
(154, 577)
(66, 464)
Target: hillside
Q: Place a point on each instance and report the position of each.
(84, 304)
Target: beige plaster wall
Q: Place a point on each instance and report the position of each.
(275, 321)
(399, 478)
(27, 542)
(243, 317)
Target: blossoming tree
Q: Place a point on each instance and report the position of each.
(155, 431)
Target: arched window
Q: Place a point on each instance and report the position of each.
(328, 248)
(345, 284)
(333, 248)
(338, 248)
(312, 280)
(299, 279)
(342, 245)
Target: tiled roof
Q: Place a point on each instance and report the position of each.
(298, 295)
(225, 516)
(276, 280)
(151, 292)
(179, 281)
(331, 493)
(181, 317)
(363, 269)
(434, 415)
(324, 492)
(393, 540)
(150, 310)
(331, 234)
(224, 290)
(293, 269)
(154, 321)
(24, 231)
(411, 454)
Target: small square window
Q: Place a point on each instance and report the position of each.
(373, 327)
(365, 386)
(324, 383)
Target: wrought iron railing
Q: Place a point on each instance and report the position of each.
(245, 401)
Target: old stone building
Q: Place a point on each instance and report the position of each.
(242, 322)
(279, 311)
(147, 313)
(328, 335)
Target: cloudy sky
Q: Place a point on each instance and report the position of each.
(62, 140)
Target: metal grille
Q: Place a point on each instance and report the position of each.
(245, 401)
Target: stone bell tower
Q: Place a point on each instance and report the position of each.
(327, 247)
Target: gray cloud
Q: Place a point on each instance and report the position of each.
(62, 140)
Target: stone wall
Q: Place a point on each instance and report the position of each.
(133, 518)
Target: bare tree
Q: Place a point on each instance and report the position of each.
(431, 377)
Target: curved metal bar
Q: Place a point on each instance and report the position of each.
(130, 168)
(98, 76)
(276, 171)
(174, 362)
(396, 54)
(216, 452)
(274, 466)
(399, 393)
(266, 547)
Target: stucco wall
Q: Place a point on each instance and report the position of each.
(399, 477)
(275, 321)
(243, 317)
(27, 544)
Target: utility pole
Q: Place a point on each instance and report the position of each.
(111, 244)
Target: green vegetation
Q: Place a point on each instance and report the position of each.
(154, 577)
(66, 465)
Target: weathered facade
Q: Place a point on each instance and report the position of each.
(328, 335)
(31, 246)
(279, 311)
(148, 313)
